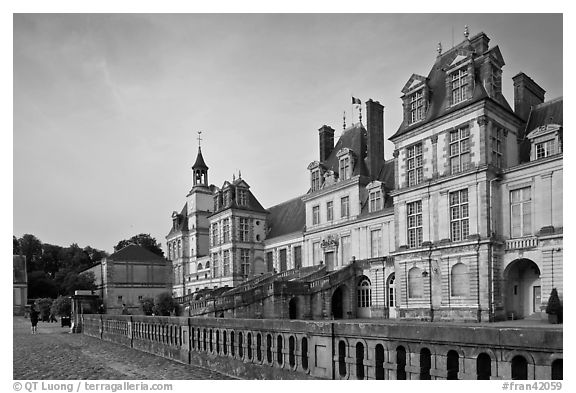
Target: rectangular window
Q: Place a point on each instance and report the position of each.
(344, 168)
(216, 203)
(414, 164)
(459, 85)
(315, 215)
(297, 257)
(344, 207)
(214, 234)
(315, 180)
(215, 265)
(270, 261)
(345, 243)
(497, 145)
(414, 210)
(244, 230)
(459, 215)
(226, 268)
(521, 212)
(375, 200)
(226, 230)
(375, 243)
(316, 257)
(119, 299)
(242, 197)
(459, 150)
(545, 149)
(416, 106)
(283, 260)
(329, 211)
(245, 262)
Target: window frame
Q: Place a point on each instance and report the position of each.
(225, 230)
(345, 207)
(415, 164)
(497, 137)
(330, 211)
(414, 232)
(525, 206)
(416, 101)
(462, 148)
(244, 229)
(245, 262)
(344, 164)
(375, 200)
(316, 215)
(459, 210)
(459, 80)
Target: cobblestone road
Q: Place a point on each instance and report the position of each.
(53, 353)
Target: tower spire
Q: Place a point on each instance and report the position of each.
(199, 139)
(200, 169)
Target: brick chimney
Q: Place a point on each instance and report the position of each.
(375, 129)
(326, 142)
(527, 94)
(480, 43)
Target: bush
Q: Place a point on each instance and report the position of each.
(554, 306)
(165, 304)
(62, 306)
(147, 305)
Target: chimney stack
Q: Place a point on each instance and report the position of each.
(326, 142)
(527, 94)
(375, 118)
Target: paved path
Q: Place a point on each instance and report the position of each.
(53, 353)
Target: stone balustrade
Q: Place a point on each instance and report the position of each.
(286, 349)
(522, 243)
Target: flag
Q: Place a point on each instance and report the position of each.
(356, 101)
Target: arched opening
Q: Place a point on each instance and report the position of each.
(342, 358)
(359, 361)
(279, 343)
(364, 297)
(391, 295)
(218, 342)
(224, 342)
(340, 306)
(193, 338)
(305, 353)
(557, 370)
(400, 363)
(379, 356)
(232, 352)
(210, 340)
(519, 368)
(259, 347)
(425, 363)
(293, 308)
(204, 341)
(249, 345)
(523, 290)
(240, 345)
(291, 350)
(269, 348)
(199, 344)
(483, 366)
(452, 365)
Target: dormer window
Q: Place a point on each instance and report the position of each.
(545, 149)
(546, 141)
(417, 106)
(316, 175)
(345, 163)
(216, 204)
(459, 83)
(242, 197)
(375, 196)
(316, 180)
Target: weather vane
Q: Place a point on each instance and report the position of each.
(199, 139)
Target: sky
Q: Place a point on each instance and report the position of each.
(106, 107)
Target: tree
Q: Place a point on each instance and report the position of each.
(49, 262)
(70, 281)
(62, 306)
(143, 240)
(15, 246)
(147, 305)
(40, 285)
(165, 304)
(31, 248)
(95, 254)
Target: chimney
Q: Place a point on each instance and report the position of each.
(375, 118)
(326, 142)
(480, 43)
(527, 94)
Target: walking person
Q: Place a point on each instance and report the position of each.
(34, 319)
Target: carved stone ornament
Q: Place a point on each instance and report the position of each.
(482, 121)
(313, 164)
(434, 138)
(329, 241)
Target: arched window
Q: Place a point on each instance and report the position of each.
(305, 353)
(218, 341)
(211, 346)
(259, 347)
(400, 363)
(415, 283)
(225, 342)
(249, 345)
(364, 293)
(291, 350)
(207, 265)
(452, 364)
(557, 373)
(519, 368)
(483, 366)
(379, 355)
(200, 266)
(279, 343)
(425, 363)
(204, 342)
(459, 281)
(269, 348)
(342, 358)
(360, 361)
(232, 344)
(240, 345)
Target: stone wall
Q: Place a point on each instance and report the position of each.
(281, 349)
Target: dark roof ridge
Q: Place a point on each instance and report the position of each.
(286, 201)
(548, 102)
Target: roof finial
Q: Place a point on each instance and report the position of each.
(466, 33)
(439, 49)
(233, 177)
(239, 174)
(344, 117)
(360, 114)
(199, 139)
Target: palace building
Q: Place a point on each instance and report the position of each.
(463, 223)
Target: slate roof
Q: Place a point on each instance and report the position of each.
(549, 112)
(354, 138)
(134, 252)
(199, 164)
(286, 217)
(253, 203)
(181, 222)
(436, 82)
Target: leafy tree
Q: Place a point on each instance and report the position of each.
(70, 281)
(147, 305)
(15, 246)
(31, 248)
(143, 240)
(165, 304)
(49, 262)
(95, 254)
(44, 305)
(40, 285)
(62, 306)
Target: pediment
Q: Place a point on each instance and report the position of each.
(414, 82)
(374, 184)
(313, 165)
(544, 130)
(242, 184)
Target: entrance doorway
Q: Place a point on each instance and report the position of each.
(340, 303)
(329, 258)
(523, 290)
(364, 297)
(293, 308)
(391, 296)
